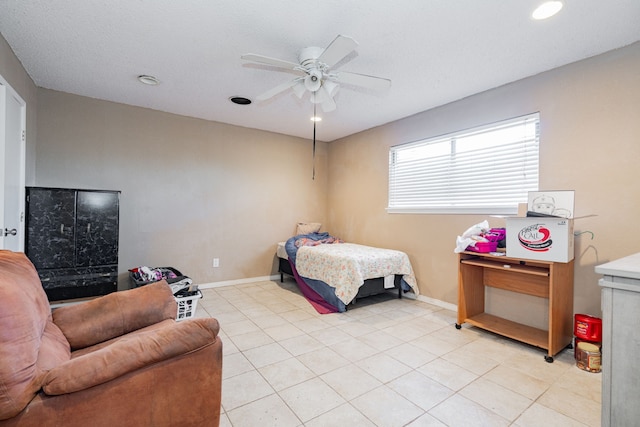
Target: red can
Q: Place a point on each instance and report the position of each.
(588, 328)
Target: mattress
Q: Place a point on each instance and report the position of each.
(281, 251)
(345, 266)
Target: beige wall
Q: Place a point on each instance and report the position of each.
(191, 189)
(14, 73)
(590, 143)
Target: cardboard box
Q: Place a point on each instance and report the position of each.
(546, 233)
(540, 238)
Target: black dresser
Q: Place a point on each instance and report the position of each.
(72, 239)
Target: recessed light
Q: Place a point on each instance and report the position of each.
(148, 80)
(316, 119)
(240, 100)
(547, 10)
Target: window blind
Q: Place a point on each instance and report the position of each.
(485, 170)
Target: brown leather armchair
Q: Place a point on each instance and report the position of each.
(117, 360)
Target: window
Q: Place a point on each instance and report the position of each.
(485, 170)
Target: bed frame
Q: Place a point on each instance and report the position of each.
(369, 288)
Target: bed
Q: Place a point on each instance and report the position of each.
(333, 274)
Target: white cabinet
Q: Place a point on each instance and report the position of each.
(620, 341)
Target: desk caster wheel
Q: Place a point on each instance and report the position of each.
(458, 326)
(548, 359)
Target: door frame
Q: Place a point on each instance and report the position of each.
(6, 91)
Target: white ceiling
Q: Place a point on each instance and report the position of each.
(434, 51)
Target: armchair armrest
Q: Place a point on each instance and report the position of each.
(115, 314)
(129, 354)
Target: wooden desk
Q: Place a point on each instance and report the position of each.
(545, 279)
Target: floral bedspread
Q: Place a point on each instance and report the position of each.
(346, 266)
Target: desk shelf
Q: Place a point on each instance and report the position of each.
(550, 280)
(516, 268)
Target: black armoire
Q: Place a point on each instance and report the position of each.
(72, 240)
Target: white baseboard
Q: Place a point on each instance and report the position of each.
(432, 301)
(437, 302)
(238, 282)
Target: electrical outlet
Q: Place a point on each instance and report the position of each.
(216, 262)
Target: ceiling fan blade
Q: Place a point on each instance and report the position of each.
(340, 47)
(299, 89)
(261, 59)
(278, 89)
(371, 82)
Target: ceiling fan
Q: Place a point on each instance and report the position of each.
(317, 75)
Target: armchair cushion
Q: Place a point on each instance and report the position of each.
(29, 343)
(115, 314)
(130, 353)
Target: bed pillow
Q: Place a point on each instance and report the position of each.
(308, 227)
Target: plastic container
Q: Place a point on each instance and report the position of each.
(483, 247)
(187, 306)
(493, 236)
(588, 328)
(577, 341)
(499, 233)
(588, 357)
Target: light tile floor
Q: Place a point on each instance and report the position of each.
(385, 362)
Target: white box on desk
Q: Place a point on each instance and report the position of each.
(540, 238)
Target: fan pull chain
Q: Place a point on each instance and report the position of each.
(313, 177)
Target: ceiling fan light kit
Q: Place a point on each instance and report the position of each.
(313, 81)
(317, 76)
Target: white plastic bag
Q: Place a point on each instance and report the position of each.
(471, 236)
